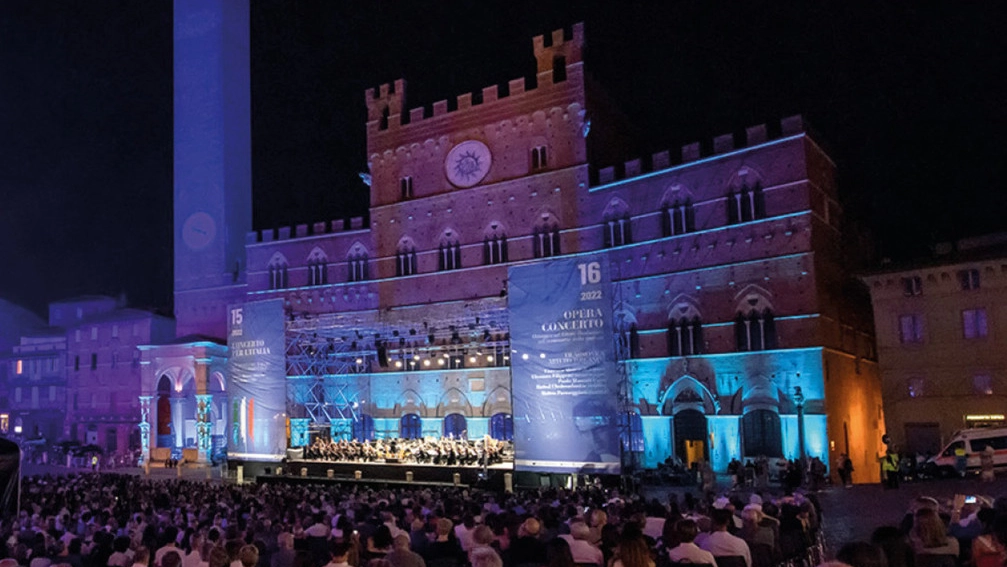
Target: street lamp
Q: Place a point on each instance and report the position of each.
(799, 404)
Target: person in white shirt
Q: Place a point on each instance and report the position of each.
(687, 551)
(722, 544)
(170, 534)
(580, 546)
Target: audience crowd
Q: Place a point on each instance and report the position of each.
(108, 520)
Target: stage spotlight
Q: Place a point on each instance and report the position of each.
(524, 356)
(541, 355)
(489, 357)
(472, 359)
(398, 364)
(416, 357)
(440, 361)
(360, 361)
(426, 362)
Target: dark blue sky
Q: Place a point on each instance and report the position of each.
(909, 100)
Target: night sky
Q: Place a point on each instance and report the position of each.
(910, 102)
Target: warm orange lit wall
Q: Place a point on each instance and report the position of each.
(855, 414)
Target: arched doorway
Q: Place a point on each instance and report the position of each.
(410, 427)
(502, 427)
(690, 430)
(163, 432)
(761, 433)
(455, 426)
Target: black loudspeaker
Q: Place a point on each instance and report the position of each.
(383, 356)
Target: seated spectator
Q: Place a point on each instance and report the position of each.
(633, 551)
(444, 551)
(485, 557)
(929, 536)
(721, 543)
(402, 556)
(988, 549)
(687, 551)
(339, 553)
(527, 548)
(580, 546)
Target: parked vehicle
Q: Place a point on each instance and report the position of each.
(944, 464)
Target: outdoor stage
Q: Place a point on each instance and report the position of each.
(388, 473)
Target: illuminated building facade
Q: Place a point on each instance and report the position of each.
(731, 287)
(941, 355)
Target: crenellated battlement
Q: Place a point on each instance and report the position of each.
(558, 62)
(725, 143)
(304, 230)
(559, 51)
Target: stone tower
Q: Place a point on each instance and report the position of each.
(213, 167)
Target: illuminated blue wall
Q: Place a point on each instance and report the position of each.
(725, 387)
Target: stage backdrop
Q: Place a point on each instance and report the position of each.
(257, 380)
(564, 381)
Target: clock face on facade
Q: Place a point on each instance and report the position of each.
(198, 231)
(467, 163)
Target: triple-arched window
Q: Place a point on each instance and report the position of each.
(318, 268)
(278, 272)
(405, 258)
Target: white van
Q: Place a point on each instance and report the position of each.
(974, 441)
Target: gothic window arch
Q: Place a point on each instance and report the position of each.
(494, 244)
(405, 258)
(754, 323)
(677, 215)
(318, 267)
(278, 272)
(685, 330)
(745, 198)
(545, 237)
(616, 224)
(449, 251)
(357, 263)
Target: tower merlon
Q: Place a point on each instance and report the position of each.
(755, 134)
(723, 143)
(661, 160)
(490, 94)
(560, 50)
(464, 101)
(690, 152)
(792, 125)
(515, 86)
(633, 168)
(300, 231)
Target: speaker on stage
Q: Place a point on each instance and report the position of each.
(383, 356)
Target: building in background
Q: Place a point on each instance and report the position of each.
(102, 368)
(942, 360)
(16, 419)
(740, 333)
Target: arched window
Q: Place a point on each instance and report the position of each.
(617, 225)
(163, 431)
(278, 272)
(685, 336)
(761, 433)
(755, 330)
(677, 218)
(449, 252)
(358, 267)
(545, 240)
(405, 259)
(745, 203)
(494, 245)
(406, 187)
(502, 427)
(410, 426)
(318, 268)
(538, 158)
(363, 428)
(455, 426)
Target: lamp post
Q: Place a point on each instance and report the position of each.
(799, 404)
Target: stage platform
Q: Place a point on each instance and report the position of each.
(371, 473)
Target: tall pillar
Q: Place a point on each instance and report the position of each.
(178, 421)
(145, 435)
(204, 426)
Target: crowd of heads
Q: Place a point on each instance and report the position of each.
(966, 530)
